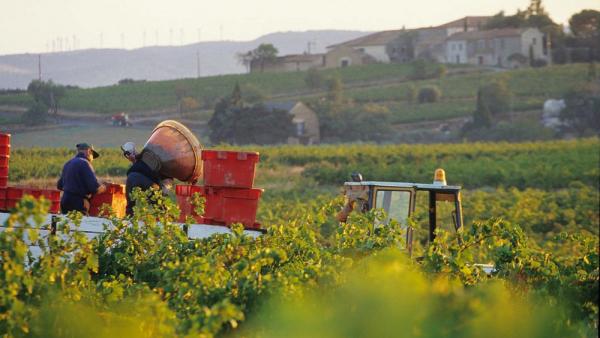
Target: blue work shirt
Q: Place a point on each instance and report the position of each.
(78, 177)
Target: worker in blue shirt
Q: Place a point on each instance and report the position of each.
(140, 175)
(78, 181)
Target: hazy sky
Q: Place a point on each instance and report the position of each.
(46, 25)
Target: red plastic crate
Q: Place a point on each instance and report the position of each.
(188, 190)
(2, 193)
(10, 203)
(3, 171)
(113, 188)
(3, 205)
(4, 149)
(4, 160)
(229, 168)
(51, 195)
(117, 201)
(15, 193)
(182, 194)
(4, 139)
(230, 205)
(55, 208)
(3, 181)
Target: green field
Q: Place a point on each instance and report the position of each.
(142, 96)
(530, 87)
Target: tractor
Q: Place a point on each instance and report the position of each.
(398, 200)
(121, 120)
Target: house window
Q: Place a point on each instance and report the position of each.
(300, 128)
(344, 63)
(460, 46)
(453, 47)
(480, 58)
(457, 58)
(534, 41)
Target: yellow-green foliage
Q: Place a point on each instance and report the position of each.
(386, 295)
(148, 279)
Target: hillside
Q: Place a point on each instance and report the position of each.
(377, 87)
(103, 67)
(385, 84)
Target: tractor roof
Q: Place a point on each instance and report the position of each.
(418, 186)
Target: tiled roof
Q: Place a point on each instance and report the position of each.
(489, 34)
(300, 58)
(472, 21)
(375, 39)
(286, 106)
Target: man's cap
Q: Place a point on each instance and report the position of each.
(128, 148)
(84, 146)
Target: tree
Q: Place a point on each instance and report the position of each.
(335, 90)
(534, 16)
(245, 59)
(419, 70)
(235, 98)
(262, 54)
(585, 24)
(252, 94)
(47, 93)
(313, 79)
(496, 96)
(582, 112)
(536, 8)
(35, 114)
(254, 124)
(180, 93)
(429, 94)
(482, 118)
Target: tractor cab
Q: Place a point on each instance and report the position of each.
(398, 200)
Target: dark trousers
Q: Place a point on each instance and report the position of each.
(71, 202)
(134, 180)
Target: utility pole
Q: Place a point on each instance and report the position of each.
(40, 67)
(198, 62)
(310, 44)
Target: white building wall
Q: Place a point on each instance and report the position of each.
(456, 51)
(535, 39)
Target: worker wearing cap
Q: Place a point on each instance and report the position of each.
(356, 198)
(140, 175)
(78, 180)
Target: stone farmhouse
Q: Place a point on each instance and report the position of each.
(305, 120)
(461, 41)
(289, 63)
(507, 48)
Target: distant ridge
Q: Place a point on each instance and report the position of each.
(102, 67)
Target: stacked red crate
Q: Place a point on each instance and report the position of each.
(114, 196)
(228, 179)
(10, 196)
(4, 157)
